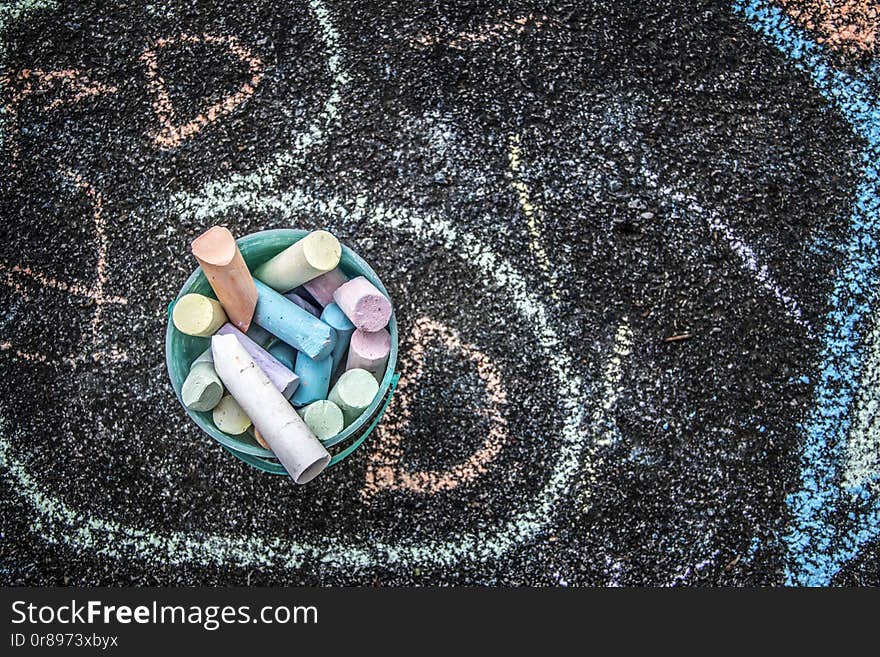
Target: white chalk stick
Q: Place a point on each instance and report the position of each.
(196, 314)
(288, 436)
(369, 351)
(229, 416)
(316, 253)
(353, 393)
(281, 377)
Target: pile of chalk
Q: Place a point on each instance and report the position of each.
(297, 349)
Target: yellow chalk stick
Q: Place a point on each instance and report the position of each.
(316, 253)
(229, 418)
(196, 314)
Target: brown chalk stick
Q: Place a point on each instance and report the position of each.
(226, 271)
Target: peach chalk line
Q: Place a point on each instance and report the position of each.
(68, 78)
(9, 13)
(47, 281)
(114, 354)
(73, 79)
(534, 214)
(171, 134)
(384, 468)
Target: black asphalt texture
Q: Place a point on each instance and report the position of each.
(628, 116)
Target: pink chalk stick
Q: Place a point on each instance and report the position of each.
(302, 303)
(369, 351)
(323, 287)
(363, 304)
(280, 376)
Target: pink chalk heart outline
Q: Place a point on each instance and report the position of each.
(385, 468)
(172, 134)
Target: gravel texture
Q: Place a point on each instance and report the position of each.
(610, 231)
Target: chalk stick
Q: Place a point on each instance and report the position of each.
(302, 303)
(202, 389)
(284, 353)
(314, 254)
(226, 271)
(369, 351)
(258, 437)
(323, 287)
(304, 293)
(280, 376)
(288, 436)
(363, 304)
(353, 393)
(196, 314)
(229, 417)
(259, 335)
(334, 317)
(324, 418)
(293, 325)
(314, 376)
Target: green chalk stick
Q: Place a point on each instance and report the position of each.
(324, 418)
(202, 389)
(353, 393)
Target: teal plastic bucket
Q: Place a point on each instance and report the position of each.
(181, 350)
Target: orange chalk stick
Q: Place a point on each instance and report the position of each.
(220, 259)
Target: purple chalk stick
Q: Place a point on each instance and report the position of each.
(363, 303)
(323, 287)
(280, 376)
(302, 303)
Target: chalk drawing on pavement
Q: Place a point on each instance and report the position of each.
(74, 85)
(752, 262)
(93, 349)
(173, 132)
(819, 543)
(533, 213)
(60, 522)
(488, 32)
(212, 195)
(385, 470)
(612, 386)
(861, 470)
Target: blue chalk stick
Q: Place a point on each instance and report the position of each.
(314, 378)
(284, 353)
(333, 316)
(293, 325)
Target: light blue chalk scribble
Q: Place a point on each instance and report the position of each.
(822, 538)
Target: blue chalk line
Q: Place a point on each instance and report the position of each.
(829, 526)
